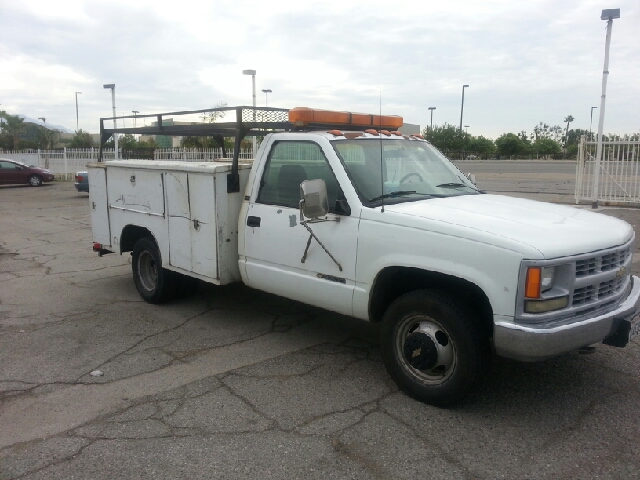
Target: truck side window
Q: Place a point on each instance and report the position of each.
(288, 165)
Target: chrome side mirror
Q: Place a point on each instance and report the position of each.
(314, 202)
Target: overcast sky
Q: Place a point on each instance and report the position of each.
(525, 61)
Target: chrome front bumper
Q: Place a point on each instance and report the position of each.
(533, 343)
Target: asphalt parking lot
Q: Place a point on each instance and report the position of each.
(235, 383)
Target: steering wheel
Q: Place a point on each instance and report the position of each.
(409, 175)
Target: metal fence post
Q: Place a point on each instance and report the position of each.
(580, 169)
(66, 170)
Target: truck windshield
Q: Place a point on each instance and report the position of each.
(410, 170)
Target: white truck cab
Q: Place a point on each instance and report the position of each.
(342, 211)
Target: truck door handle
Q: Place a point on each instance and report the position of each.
(253, 221)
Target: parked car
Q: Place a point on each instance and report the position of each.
(82, 182)
(13, 172)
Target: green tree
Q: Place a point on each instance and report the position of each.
(148, 142)
(127, 142)
(546, 147)
(205, 142)
(509, 144)
(81, 139)
(47, 139)
(481, 146)
(575, 134)
(447, 137)
(12, 126)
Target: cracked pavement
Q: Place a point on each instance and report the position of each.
(236, 383)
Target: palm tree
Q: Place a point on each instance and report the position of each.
(568, 119)
(12, 125)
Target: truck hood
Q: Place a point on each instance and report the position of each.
(516, 224)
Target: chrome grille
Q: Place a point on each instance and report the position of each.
(602, 263)
(607, 282)
(583, 295)
(585, 267)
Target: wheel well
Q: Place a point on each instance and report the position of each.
(130, 235)
(392, 282)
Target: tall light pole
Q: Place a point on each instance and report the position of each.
(432, 109)
(266, 92)
(608, 15)
(77, 110)
(590, 124)
(466, 129)
(112, 86)
(253, 82)
(462, 106)
(135, 114)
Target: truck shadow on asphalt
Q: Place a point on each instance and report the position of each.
(567, 383)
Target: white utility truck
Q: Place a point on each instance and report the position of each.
(342, 211)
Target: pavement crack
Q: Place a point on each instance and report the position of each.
(147, 337)
(58, 461)
(445, 454)
(371, 466)
(272, 421)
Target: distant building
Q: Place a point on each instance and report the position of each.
(410, 129)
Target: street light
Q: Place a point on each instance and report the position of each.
(77, 110)
(432, 109)
(462, 107)
(466, 129)
(266, 91)
(135, 114)
(253, 82)
(609, 15)
(590, 124)
(112, 86)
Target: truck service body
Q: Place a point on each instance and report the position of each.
(379, 226)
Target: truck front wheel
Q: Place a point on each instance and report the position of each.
(154, 283)
(432, 348)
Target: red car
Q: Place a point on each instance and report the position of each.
(17, 172)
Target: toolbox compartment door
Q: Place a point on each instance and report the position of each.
(98, 206)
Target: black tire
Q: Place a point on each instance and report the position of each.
(433, 349)
(154, 283)
(34, 180)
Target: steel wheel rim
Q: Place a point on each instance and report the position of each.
(35, 181)
(446, 349)
(147, 271)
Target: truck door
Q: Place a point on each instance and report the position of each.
(275, 240)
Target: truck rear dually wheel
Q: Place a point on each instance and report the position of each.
(433, 349)
(154, 283)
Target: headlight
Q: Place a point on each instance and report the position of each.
(541, 306)
(539, 280)
(547, 276)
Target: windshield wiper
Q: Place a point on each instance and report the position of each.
(452, 185)
(397, 193)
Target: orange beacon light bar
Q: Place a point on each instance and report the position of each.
(301, 117)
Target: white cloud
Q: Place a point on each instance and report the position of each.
(525, 61)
